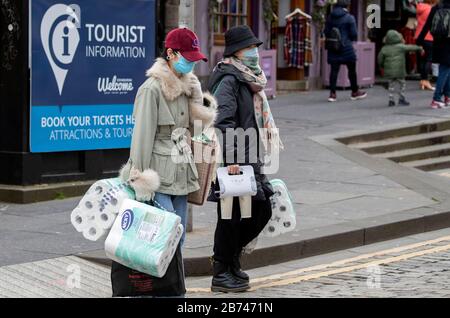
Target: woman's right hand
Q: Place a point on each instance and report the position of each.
(234, 169)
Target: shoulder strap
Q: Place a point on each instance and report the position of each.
(157, 205)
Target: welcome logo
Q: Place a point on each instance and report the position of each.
(60, 38)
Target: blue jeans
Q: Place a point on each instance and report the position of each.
(176, 204)
(443, 83)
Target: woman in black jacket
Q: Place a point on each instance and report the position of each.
(238, 85)
(441, 56)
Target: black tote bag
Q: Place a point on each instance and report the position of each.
(127, 282)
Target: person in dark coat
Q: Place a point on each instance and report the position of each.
(441, 56)
(238, 84)
(340, 18)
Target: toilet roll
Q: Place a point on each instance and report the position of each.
(273, 229)
(105, 220)
(115, 195)
(287, 224)
(279, 225)
(178, 236)
(99, 207)
(173, 242)
(245, 203)
(226, 208)
(142, 236)
(287, 218)
(94, 233)
(172, 248)
(112, 193)
(90, 203)
(165, 259)
(79, 219)
(168, 251)
(283, 218)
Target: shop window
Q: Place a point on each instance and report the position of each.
(227, 14)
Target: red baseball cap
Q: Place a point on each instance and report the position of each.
(186, 42)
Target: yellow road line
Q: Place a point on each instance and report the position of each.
(289, 281)
(282, 276)
(351, 260)
(198, 290)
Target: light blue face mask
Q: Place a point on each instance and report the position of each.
(251, 60)
(183, 66)
(252, 53)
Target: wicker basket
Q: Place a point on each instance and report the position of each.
(206, 170)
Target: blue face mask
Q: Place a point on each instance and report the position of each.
(183, 66)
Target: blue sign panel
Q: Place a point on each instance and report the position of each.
(88, 59)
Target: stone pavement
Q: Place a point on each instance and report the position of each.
(340, 204)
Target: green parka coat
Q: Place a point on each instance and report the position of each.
(392, 56)
(160, 156)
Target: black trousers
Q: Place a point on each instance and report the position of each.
(335, 67)
(426, 61)
(232, 235)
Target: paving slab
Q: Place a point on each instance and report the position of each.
(320, 197)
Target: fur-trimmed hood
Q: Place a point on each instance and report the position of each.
(205, 112)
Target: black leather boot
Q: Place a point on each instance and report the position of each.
(223, 281)
(403, 102)
(235, 269)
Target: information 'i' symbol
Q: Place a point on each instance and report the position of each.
(66, 41)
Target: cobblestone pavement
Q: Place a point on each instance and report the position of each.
(415, 266)
(414, 270)
(64, 277)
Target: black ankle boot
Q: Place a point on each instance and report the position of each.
(223, 281)
(403, 102)
(235, 269)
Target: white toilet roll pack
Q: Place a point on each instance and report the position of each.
(144, 238)
(242, 185)
(95, 214)
(283, 214)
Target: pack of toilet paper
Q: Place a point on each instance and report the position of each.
(243, 184)
(95, 214)
(144, 238)
(283, 214)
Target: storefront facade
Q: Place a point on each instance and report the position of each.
(22, 165)
(267, 19)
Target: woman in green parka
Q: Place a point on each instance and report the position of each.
(161, 165)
